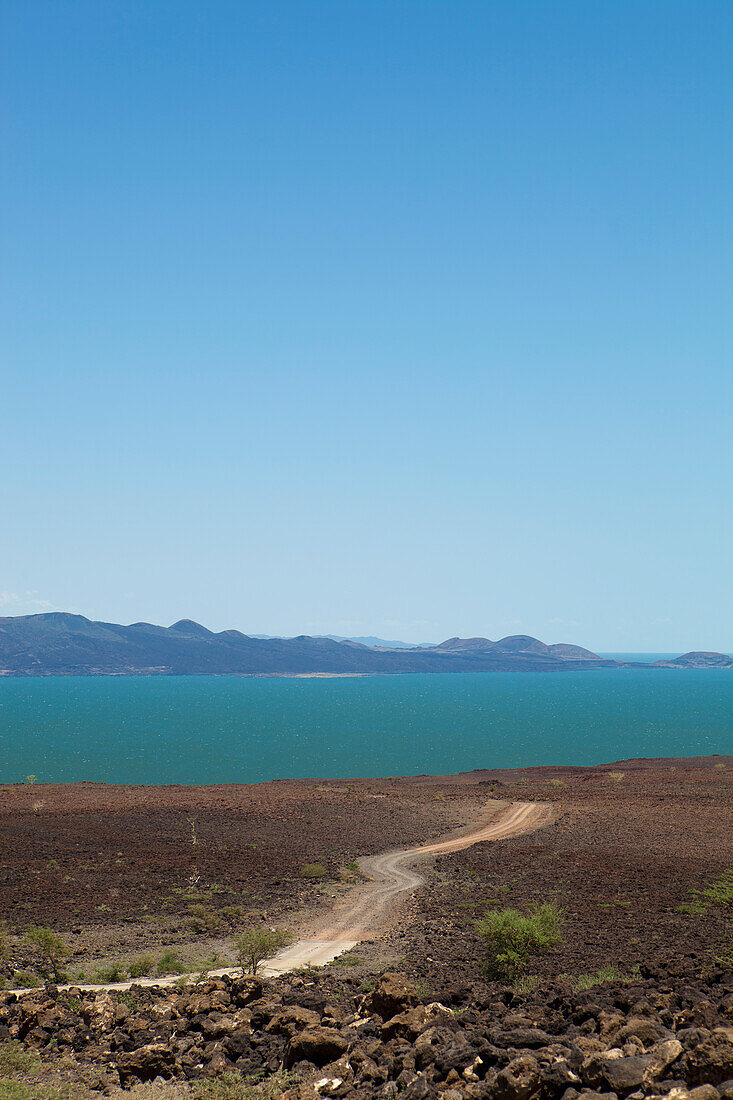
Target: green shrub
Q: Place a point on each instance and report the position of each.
(346, 960)
(50, 951)
(27, 979)
(513, 937)
(313, 870)
(254, 945)
(202, 918)
(169, 963)
(106, 975)
(140, 968)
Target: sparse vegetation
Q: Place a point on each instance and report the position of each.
(50, 952)
(313, 870)
(254, 945)
(14, 1058)
(113, 972)
(26, 979)
(512, 938)
(235, 1086)
(719, 891)
(169, 963)
(582, 982)
(141, 967)
(527, 983)
(346, 960)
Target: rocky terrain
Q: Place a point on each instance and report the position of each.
(635, 999)
(664, 1034)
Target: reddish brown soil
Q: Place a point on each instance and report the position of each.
(93, 853)
(624, 852)
(630, 844)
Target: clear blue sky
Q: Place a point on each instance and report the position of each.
(370, 316)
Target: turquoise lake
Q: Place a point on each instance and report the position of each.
(217, 729)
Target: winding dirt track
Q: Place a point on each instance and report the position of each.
(364, 912)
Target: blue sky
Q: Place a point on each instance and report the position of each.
(370, 316)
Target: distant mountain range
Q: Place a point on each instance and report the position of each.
(60, 644)
(370, 640)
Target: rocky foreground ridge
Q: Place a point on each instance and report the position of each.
(667, 1034)
(60, 644)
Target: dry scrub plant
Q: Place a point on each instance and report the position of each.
(513, 937)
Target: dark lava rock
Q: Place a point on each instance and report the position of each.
(319, 1045)
(391, 995)
(527, 1038)
(519, 1080)
(712, 1061)
(145, 1063)
(557, 1077)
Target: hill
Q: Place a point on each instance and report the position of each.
(61, 644)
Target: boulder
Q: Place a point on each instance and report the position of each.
(557, 1077)
(622, 1074)
(704, 1092)
(519, 1080)
(319, 1045)
(414, 1021)
(645, 1029)
(392, 994)
(522, 1038)
(145, 1063)
(711, 1062)
(292, 1018)
(661, 1056)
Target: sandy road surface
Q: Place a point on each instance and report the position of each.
(363, 913)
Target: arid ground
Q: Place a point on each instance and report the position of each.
(121, 871)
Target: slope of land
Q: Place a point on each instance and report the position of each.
(59, 644)
(634, 1002)
(116, 869)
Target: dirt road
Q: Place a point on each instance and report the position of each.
(365, 911)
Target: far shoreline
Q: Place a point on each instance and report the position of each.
(476, 776)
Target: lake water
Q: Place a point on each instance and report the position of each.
(215, 729)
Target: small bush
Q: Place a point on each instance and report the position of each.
(27, 979)
(254, 945)
(513, 937)
(50, 951)
(169, 963)
(107, 975)
(203, 919)
(140, 968)
(313, 870)
(234, 915)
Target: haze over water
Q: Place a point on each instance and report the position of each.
(205, 729)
